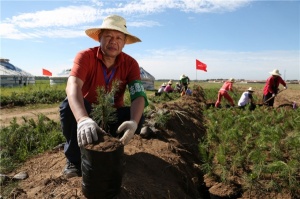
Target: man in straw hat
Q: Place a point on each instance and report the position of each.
(247, 98)
(98, 67)
(271, 87)
(223, 92)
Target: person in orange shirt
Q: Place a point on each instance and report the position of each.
(223, 92)
(271, 87)
(98, 67)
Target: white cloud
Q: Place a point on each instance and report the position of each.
(65, 16)
(143, 23)
(154, 6)
(30, 25)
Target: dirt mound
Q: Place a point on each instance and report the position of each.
(163, 165)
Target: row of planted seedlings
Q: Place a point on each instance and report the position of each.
(259, 150)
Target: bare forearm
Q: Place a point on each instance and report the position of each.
(137, 109)
(76, 102)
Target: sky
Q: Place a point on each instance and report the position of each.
(241, 39)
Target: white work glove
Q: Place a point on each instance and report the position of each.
(87, 131)
(273, 95)
(285, 87)
(129, 127)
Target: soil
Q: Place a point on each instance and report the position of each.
(166, 164)
(105, 143)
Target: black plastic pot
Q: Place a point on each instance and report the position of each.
(102, 173)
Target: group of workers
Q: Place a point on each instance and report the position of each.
(180, 87)
(270, 90)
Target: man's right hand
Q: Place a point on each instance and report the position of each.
(87, 131)
(273, 95)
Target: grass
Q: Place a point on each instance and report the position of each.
(258, 147)
(21, 141)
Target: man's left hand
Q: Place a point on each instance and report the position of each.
(129, 127)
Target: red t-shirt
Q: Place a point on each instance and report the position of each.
(272, 85)
(227, 86)
(88, 67)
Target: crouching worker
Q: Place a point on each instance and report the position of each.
(168, 88)
(160, 90)
(98, 67)
(247, 98)
(223, 92)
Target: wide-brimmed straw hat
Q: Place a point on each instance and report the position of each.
(113, 22)
(250, 89)
(275, 72)
(231, 80)
(170, 82)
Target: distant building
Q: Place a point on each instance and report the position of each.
(60, 77)
(13, 76)
(147, 78)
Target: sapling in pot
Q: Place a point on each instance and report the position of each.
(102, 161)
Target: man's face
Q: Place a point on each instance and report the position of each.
(112, 42)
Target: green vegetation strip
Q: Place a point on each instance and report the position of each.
(260, 148)
(21, 141)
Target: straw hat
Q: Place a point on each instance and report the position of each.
(170, 82)
(250, 89)
(164, 84)
(232, 80)
(275, 72)
(113, 22)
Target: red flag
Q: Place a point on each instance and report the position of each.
(46, 72)
(200, 65)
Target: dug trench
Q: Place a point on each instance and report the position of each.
(163, 164)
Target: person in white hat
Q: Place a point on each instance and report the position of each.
(99, 67)
(246, 98)
(223, 92)
(178, 87)
(184, 81)
(271, 87)
(161, 89)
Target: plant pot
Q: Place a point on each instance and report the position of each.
(102, 172)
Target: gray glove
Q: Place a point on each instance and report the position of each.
(87, 131)
(129, 127)
(273, 95)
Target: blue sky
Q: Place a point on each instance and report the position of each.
(243, 39)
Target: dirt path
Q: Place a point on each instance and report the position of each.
(7, 114)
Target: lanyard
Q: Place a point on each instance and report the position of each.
(107, 77)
